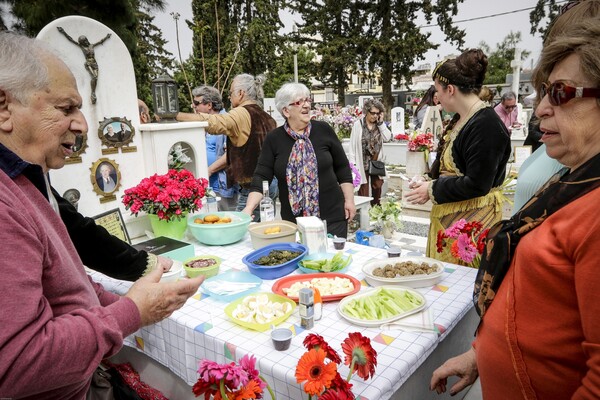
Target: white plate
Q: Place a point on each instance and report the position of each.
(414, 281)
(379, 322)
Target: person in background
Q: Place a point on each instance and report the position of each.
(245, 126)
(57, 324)
(366, 144)
(508, 110)
(537, 286)
(429, 99)
(486, 95)
(471, 160)
(144, 112)
(208, 100)
(310, 165)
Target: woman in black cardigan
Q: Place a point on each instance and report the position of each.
(310, 165)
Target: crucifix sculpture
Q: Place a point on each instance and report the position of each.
(91, 65)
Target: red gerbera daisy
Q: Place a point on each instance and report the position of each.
(335, 394)
(341, 386)
(314, 341)
(206, 388)
(360, 355)
(312, 370)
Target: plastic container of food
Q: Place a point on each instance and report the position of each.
(286, 234)
(211, 269)
(220, 233)
(261, 327)
(231, 279)
(414, 281)
(274, 271)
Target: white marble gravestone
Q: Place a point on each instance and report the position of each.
(269, 107)
(397, 115)
(432, 122)
(116, 98)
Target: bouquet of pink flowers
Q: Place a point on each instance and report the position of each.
(465, 241)
(169, 196)
(230, 381)
(420, 141)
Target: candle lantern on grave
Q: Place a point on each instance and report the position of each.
(166, 101)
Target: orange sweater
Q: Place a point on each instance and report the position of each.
(540, 338)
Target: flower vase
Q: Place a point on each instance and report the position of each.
(174, 229)
(387, 230)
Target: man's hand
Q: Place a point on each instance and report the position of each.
(156, 301)
(463, 366)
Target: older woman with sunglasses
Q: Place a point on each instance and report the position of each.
(366, 144)
(471, 160)
(537, 287)
(310, 165)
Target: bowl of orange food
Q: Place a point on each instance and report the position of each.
(219, 228)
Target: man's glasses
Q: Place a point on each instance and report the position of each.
(197, 103)
(301, 102)
(560, 93)
(376, 113)
(511, 107)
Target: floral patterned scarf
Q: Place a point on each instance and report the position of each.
(563, 188)
(302, 175)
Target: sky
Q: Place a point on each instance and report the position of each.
(490, 30)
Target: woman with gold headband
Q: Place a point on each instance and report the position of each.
(471, 161)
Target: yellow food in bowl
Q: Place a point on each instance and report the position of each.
(211, 218)
(272, 230)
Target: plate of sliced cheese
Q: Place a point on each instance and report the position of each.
(332, 286)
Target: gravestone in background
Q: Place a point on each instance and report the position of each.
(116, 97)
(397, 116)
(269, 107)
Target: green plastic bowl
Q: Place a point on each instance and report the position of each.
(220, 234)
(208, 272)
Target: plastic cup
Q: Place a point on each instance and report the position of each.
(282, 338)
(339, 243)
(394, 252)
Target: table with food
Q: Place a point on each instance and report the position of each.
(260, 280)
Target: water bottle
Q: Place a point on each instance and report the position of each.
(267, 206)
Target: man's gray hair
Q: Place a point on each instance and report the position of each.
(510, 95)
(253, 86)
(209, 94)
(22, 69)
(289, 93)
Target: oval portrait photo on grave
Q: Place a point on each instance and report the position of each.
(105, 176)
(115, 132)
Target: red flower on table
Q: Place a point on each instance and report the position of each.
(313, 341)
(323, 380)
(360, 355)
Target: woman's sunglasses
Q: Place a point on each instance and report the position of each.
(559, 93)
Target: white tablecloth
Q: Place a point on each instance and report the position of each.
(201, 330)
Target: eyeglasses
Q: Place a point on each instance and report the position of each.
(511, 107)
(197, 103)
(301, 102)
(560, 93)
(377, 113)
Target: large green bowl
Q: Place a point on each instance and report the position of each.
(220, 234)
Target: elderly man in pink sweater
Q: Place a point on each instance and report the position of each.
(56, 325)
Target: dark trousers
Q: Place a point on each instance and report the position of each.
(376, 183)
